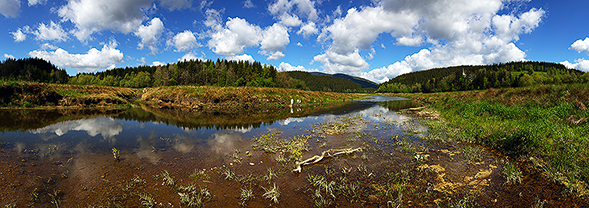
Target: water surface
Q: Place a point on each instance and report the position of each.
(170, 158)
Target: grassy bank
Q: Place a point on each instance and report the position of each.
(237, 99)
(202, 98)
(15, 94)
(545, 126)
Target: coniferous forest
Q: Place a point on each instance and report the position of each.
(32, 69)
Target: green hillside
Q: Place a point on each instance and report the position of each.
(364, 83)
(461, 78)
(325, 83)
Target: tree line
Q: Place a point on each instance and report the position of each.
(190, 72)
(33, 70)
(222, 73)
(462, 78)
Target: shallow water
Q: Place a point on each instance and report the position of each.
(166, 158)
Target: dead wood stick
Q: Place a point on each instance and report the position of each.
(324, 154)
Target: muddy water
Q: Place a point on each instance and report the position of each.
(146, 157)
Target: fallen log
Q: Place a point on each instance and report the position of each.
(325, 154)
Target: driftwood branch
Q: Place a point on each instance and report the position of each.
(325, 154)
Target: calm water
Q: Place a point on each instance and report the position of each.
(65, 158)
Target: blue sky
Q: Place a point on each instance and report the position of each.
(375, 39)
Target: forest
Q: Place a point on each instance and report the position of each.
(463, 78)
(32, 69)
(221, 73)
(325, 83)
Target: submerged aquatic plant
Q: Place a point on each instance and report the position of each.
(321, 183)
(512, 173)
(236, 158)
(194, 198)
(397, 202)
(168, 180)
(229, 175)
(270, 143)
(146, 200)
(280, 158)
(270, 175)
(190, 201)
(200, 174)
(246, 194)
(322, 202)
(462, 203)
(272, 193)
(473, 154)
(420, 158)
(347, 170)
(138, 180)
(349, 190)
(538, 204)
(116, 154)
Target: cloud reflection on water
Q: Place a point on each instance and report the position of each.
(225, 142)
(183, 144)
(107, 127)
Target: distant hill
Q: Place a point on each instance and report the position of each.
(364, 83)
(466, 77)
(325, 83)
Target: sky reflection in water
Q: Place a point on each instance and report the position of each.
(99, 135)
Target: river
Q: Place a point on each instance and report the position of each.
(374, 156)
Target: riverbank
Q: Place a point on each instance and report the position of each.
(193, 98)
(237, 99)
(544, 127)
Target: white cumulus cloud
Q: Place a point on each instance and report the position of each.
(90, 16)
(304, 8)
(150, 34)
(189, 56)
(274, 40)
(290, 20)
(242, 57)
(456, 31)
(580, 45)
(92, 61)
(580, 64)
(8, 56)
(287, 67)
(234, 37)
(35, 2)
(9, 8)
(47, 46)
(158, 63)
(308, 29)
(19, 35)
(50, 32)
(347, 63)
(184, 41)
(248, 4)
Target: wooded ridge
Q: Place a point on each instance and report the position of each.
(462, 78)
